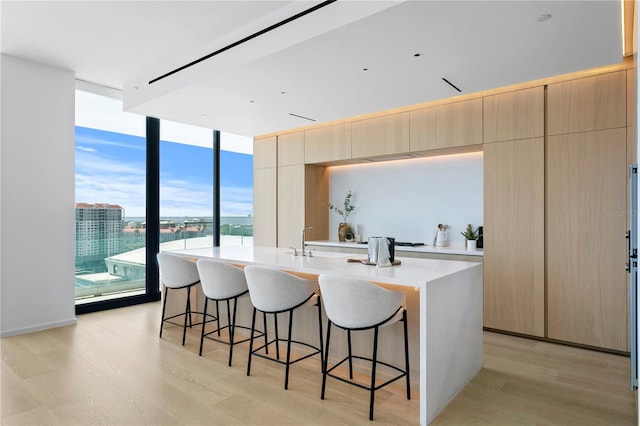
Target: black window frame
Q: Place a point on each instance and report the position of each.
(152, 286)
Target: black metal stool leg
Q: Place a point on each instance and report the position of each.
(232, 328)
(187, 315)
(406, 352)
(275, 317)
(164, 307)
(286, 374)
(253, 328)
(320, 333)
(204, 322)
(266, 339)
(189, 306)
(326, 357)
(218, 316)
(373, 371)
(350, 358)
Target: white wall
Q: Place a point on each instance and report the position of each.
(37, 228)
(407, 199)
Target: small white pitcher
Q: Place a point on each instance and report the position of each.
(441, 238)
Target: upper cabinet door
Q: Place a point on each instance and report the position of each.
(265, 152)
(460, 123)
(514, 115)
(447, 126)
(380, 136)
(586, 104)
(325, 144)
(291, 149)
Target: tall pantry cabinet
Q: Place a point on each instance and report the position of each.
(514, 212)
(586, 219)
(265, 173)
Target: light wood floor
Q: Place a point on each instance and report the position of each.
(113, 369)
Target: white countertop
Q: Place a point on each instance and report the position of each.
(411, 271)
(419, 249)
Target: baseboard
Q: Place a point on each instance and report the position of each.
(39, 327)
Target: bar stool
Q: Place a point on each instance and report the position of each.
(178, 273)
(353, 305)
(274, 292)
(222, 282)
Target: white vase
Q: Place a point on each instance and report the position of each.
(472, 245)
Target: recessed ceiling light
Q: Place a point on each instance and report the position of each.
(251, 102)
(417, 54)
(544, 17)
(283, 93)
(365, 69)
(203, 115)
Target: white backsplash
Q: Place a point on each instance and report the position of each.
(407, 199)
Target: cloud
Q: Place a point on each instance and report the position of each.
(236, 201)
(90, 140)
(103, 179)
(85, 149)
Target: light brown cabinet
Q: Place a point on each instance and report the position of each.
(586, 104)
(514, 295)
(290, 205)
(291, 149)
(380, 136)
(265, 152)
(446, 126)
(327, 144)
(586, 250)
(460, 123)
(265, 231)
(514, 115)
(265, 157)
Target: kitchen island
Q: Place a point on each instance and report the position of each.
(447, 329)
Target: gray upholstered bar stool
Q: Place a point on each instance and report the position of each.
(222, 282)
(275, 292)
(178, 273)
(356, 304)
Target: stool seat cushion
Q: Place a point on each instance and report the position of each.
(176, 271)
(221, 280)
(356, 303)
(272, 290)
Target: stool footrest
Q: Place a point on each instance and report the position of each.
(360, 385)
(167, 319)
(284, 362)
(235, 342)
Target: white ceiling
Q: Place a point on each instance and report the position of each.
(317, 60)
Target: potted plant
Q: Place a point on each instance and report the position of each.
(471, 237)
(347, 208)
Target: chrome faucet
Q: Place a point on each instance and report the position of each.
(302, 238)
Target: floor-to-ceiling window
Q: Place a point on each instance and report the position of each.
(236, 190)
(110, 199)
(113, 195)
(186, 186)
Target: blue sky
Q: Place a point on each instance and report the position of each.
(110, 168)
